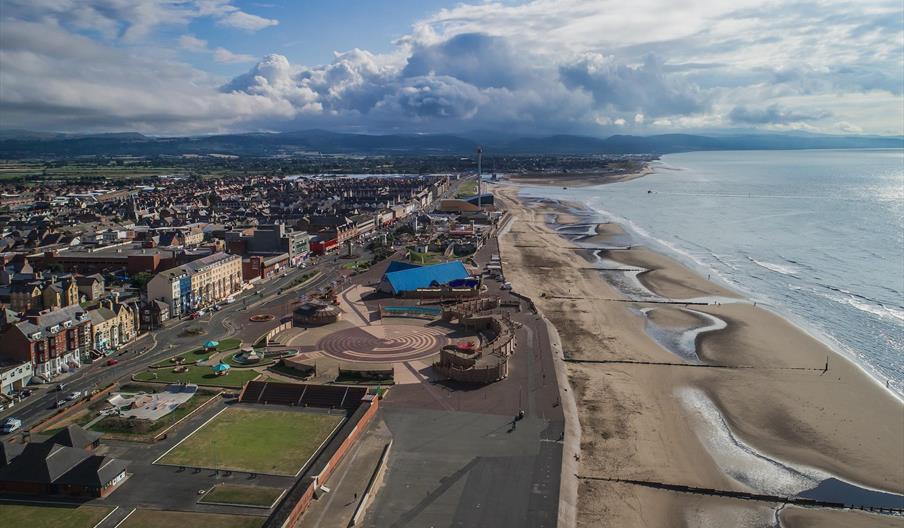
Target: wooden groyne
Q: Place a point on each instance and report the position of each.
(691, 365)
(742, 495)
(643, 301)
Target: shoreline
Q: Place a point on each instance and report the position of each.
(588, 179)
(836, 347)
(643, 399)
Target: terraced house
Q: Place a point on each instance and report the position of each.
(198, 284)
(115, 324)
(53, 342)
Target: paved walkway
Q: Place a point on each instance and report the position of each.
(348, 483)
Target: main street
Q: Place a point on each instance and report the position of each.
(160, 344)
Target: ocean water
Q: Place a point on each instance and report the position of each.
(817, 236)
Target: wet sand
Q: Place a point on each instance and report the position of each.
(579, 179)
(648, 422)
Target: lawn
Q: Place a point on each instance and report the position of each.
(467, 189)
(168, 519)
(257, 496)
(198, 354)
(199, 375)
(255, 440)
(424, 258)
(52, 517)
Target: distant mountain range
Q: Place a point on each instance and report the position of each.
(24, 144)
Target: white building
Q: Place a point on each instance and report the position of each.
(198, 284)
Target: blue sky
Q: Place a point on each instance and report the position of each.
(595, 67)
(309, 31)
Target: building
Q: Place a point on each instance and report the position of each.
(63, 465)
(129, 256)
(91, 287)
(53, 342)
(198, 284)
(269, 240)
(401, 281)
(115, 324)
(38, 293)
(259, 267)
(154, 315)
(14, 376)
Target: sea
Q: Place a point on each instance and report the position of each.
(815, 235)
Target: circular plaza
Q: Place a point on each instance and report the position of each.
(384, 343)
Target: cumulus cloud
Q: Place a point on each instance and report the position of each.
(644, 88)
(540, 66)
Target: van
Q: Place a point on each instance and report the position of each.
(10, 425)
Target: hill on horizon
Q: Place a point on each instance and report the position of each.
(19, 144)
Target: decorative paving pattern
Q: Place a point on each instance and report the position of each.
(383, 343)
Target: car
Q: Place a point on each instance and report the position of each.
(75, 395)
(230, 300)
(60, 403)
(10, 424)
(507, 286)
(60, 387)
(111, 362)
(25, 393)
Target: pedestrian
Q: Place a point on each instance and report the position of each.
(356, 496)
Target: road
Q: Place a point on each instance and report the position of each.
(161, 344)
(158, 345)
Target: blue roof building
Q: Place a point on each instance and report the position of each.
(398, 282)
(398, 265)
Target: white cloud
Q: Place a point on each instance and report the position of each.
(220, 54)
(576, 66)
(192, 43)
(248, 22)
(225, 56)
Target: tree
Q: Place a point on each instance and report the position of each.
(141, 279)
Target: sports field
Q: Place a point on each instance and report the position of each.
(255, 440)
(257, 496)
(168, 519)
(51, 516)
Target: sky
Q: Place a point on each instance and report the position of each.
(590, 67)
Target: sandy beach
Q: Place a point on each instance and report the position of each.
(758, 414)
(581, 179)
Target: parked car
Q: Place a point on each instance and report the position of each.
(25, 393)
(75, 395)
(10, 425)
(111, 362)
(507, 286)
(61, 403)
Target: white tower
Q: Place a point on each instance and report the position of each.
(479, 160)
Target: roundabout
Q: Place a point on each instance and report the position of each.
(384, 343)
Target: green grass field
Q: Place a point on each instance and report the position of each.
(168, 519)
(198, 354)
(255, 440)
(52, 517)
(467, 188)
(199, 375)
(260, 496)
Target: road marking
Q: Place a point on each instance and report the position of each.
(126, 517)
(107, 516)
